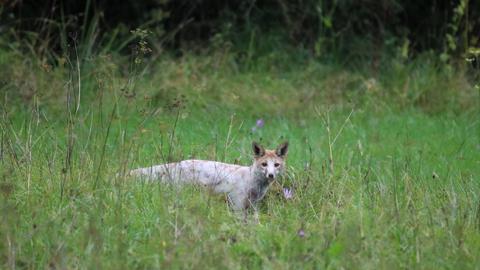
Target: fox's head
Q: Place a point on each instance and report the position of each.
(269, 163)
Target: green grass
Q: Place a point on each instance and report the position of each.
(402, 191)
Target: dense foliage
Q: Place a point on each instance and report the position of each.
(442, 25)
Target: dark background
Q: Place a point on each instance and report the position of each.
(338, 27)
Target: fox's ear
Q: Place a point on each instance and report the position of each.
(282, 150)
(258, 150)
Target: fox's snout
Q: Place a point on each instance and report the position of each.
(270, 169)
(271, 173)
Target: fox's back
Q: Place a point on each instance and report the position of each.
(205, 172)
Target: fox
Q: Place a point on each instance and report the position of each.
(244, 186)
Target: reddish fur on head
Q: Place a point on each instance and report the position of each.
(270, 162)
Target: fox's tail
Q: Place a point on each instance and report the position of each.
(133, 173)
(158, 172)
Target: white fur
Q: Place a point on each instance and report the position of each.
(243, 185)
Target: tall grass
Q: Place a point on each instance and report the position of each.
(402, 193)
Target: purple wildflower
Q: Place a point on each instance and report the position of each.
(287, 193)
(301, 233)
(260, 123)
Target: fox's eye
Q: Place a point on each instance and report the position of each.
(277, 164)
(264, 164)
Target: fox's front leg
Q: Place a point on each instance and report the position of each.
(251, 208)
(244, 215)
(256, 217)
(254, 212)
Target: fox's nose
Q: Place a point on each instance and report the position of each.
(270, 175)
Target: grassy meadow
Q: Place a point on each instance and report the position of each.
(384, 167)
